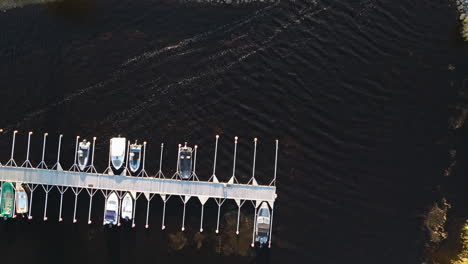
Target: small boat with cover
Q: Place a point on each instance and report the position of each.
(185, 162)
(111, 212)
(117, 151)
(127, 207)
(134, 156)
(21, 200)
(7, 202)
(83, 154)
(262, 227)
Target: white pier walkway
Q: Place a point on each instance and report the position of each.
(138, 184)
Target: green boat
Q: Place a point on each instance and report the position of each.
(7, 202)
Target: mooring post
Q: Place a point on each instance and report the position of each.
(201, 217)
(252, 180)
(134, 208)
(126, 169)
(143, 170)
(239, 205)
(75, 167)
(271, 224)
(76, 191)
(109, 168)
(164, 198)
(27, 163)
(160, 174)
(91, 168)
(14, 201)
(177, 166)
(31, 187)
(1, 131)
(194, 173)
(254, 224)
(148, 197)
(233, 177)
(57, 164)
(219, 202)
(47, 189)
(91, 193)
(273, 182)
(61, 190)
(213, 176)
(12, 162)
(184, 200)
(43, 165)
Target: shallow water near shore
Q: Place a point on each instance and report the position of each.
(359, 93)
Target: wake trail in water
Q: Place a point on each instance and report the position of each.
(141, 58)
(304, 14)
(202, 36)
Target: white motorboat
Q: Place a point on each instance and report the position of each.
(111, 212)
(21, 200)
(185, 162)
(262, 227)
(134, 157)
(117, 151)
(127, 207)
(83, 154)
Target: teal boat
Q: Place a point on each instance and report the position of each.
(7, 202)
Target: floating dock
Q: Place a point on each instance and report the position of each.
(140, 184)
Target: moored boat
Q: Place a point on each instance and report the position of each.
(111, 212)
(262, 227)
(21, 200)
(117, 151)
(7, 202)
(127, 207)
(185, 162)
(83, 154)
(134, 156)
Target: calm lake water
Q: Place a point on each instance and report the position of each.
(357, 92)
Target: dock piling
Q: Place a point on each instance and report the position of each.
(160, 174)
(76, 191)
(75, 167)
(32, 187)
(47, 189)
(42, 164)
(213, 176)
(27, 163)
(57, 165)
(12, 161)
(91, 168)
(91, 193)
(143, 170)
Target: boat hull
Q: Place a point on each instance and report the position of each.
(117, 152)
(185, 163)
(127, 207)
(83, 155)
(111, 211)
(21, 200)
(7, 201)
(134, 157)
(262, 226)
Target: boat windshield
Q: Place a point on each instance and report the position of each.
(110, 215)
(264, 212)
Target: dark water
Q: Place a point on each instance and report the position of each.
(358, 92)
